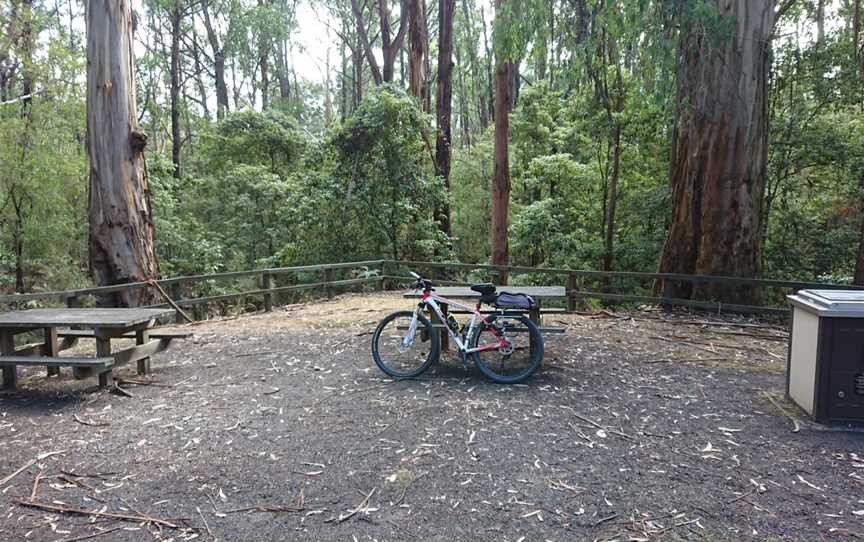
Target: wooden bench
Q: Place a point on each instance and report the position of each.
(90, 334)
(89, 363)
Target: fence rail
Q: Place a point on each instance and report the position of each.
(386, 273)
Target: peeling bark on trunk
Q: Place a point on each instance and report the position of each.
(444, 103)
(717, 171)
(121, 228)
(416, 49)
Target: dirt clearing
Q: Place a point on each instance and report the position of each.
(279, 426)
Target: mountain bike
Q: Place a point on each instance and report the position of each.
(506, 346)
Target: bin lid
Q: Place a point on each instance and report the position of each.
(831, 303)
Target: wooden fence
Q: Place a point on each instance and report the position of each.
(615, 287)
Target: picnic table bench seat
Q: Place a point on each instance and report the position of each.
(90, 334)
(57, 361)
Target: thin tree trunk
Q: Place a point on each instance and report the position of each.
(444, 104)
(820, 22)
(199, 80)
(464, 122)
(427, 63)
(501, 158)
(283, 75)
(489, 79)
(328, 100)
(719, 160)
(176, 139)
(121, 228)
(358, 76)
(218, 62)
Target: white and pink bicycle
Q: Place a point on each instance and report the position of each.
(506, 346)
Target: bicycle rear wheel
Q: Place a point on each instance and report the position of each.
(399, 352)
(519, 360)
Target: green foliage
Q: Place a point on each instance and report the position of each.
(378, 181)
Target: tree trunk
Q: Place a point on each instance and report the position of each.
(856, 44)
(820, 21)
(199, 79)
(358, 76)
(284, 79)
(176, 139)
(365, 44)
(719, 154)
(328, 99)
(218, 62)
(501, 159)
(416, 50)
(490, 102)
(612, 199)
(464, 122)
(121, 228)
(444, 104)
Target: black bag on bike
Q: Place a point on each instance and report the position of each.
(507, 300)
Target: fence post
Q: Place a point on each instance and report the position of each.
(385, 282)
(572, 287)
(328, 278)
(268, 296)
(176, 296)
(382, 272)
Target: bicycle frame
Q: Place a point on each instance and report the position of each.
(432, 300)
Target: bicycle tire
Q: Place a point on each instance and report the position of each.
(535, 355)
(424, 329)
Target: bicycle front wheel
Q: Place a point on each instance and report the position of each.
(515, 362)
(403, 352)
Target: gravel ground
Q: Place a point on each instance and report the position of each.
(278, 426)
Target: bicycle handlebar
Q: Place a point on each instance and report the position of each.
(420, 283)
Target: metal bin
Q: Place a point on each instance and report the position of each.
(825, 370)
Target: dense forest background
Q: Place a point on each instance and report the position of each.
(253, 164)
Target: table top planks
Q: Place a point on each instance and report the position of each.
(464, 292)
(89, 318)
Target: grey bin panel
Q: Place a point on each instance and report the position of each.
(826, 354)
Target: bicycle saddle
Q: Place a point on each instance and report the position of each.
(483, 289)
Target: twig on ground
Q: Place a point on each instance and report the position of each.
(121, 391)
(359, 508)
(86, 422)
(796, 427)
(686, 360)
(29, 464)
(598, 426)
(94, 535)
(206, 526)
(36, 484)
(95, 513)
(601, 521)
(264, 508)
(135, 382)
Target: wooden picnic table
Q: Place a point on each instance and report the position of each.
(73, 324)
(539, 293)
